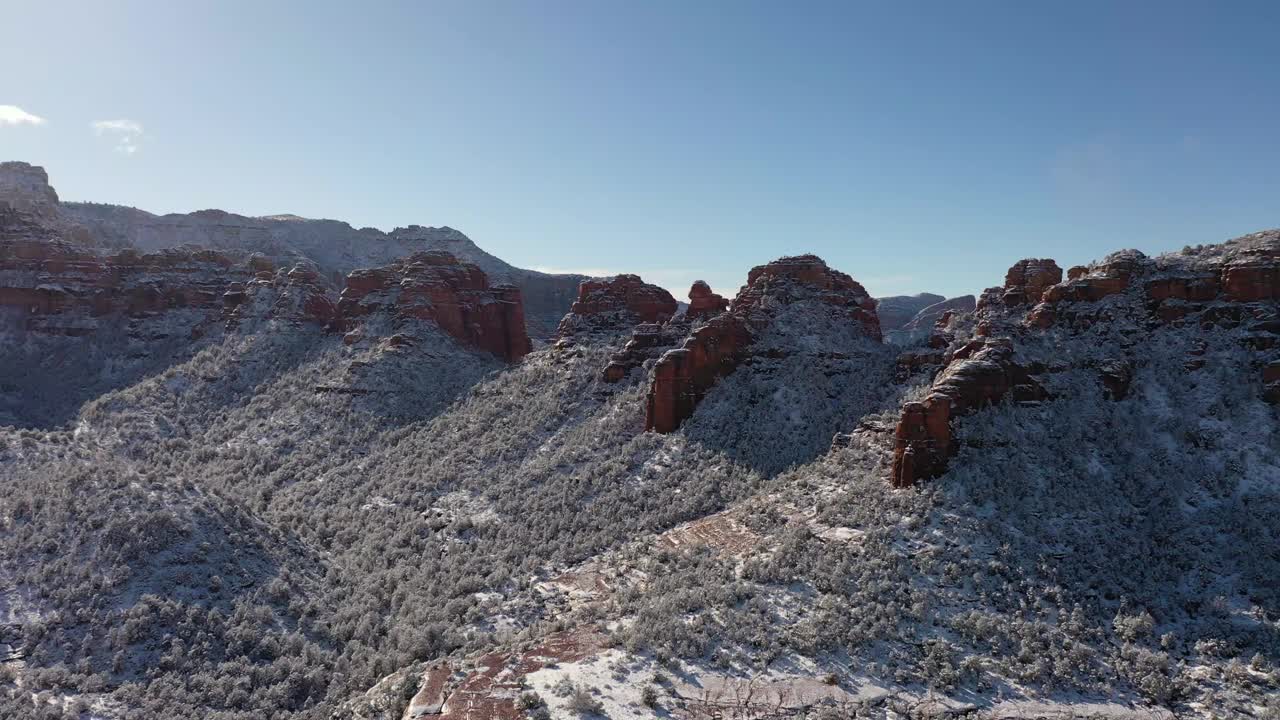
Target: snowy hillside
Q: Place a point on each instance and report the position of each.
(238, 494)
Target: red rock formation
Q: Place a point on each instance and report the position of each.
(60, 286)
(703, 303)
(805, 277)
(455, 295)
(683, 376)
(648, 342)
(922, 441)
(296, 297)
(1252, 280)
(617, 303)
(25, 188)
(981, 373)
(1174, 287)
(1234, 285)
(1027, 280)
(1110, 277)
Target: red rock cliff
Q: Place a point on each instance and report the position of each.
(617, 303)
(683, 376)
(1234, 287)
(438, 287)
(61, 287)
(981, 373)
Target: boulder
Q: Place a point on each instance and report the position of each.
(1117, 375)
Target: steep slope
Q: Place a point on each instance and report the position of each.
(220, 616)
(1100, 550)
(113, 576)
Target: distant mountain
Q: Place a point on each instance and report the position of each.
(898, 310)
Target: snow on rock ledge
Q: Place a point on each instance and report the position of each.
(438, 287)
(617, 303)
(684, 375)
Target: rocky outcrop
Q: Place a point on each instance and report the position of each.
(923, 325)
(648, 342)
(982, 373)
(684, 375)
(1271, 382)
(296, 297)
(805, 278)
(1027, 280)
(62, 288)
(1233, 287)
(1234, 284)
(933, 355)
(437, 287)
(703, 303)
(615, 304)
(25, 188)
(1117, 376)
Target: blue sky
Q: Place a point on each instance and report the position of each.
(917, 146)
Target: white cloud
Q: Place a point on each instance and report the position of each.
(125, 132)
(14, 115)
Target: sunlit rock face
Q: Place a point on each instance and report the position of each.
(63, 288)
(26, 188)
(1098, 320)
(438, 287)
(703, 302)
(618, 303)
(684, 375)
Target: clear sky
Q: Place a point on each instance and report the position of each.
(917, 146)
